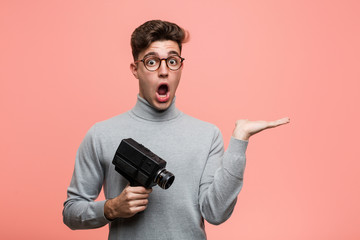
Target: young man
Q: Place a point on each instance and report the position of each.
(207, 179)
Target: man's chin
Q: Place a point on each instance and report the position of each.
(161, 106)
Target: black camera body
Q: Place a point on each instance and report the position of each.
(140, 166)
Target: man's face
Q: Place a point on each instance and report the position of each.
(158, 87)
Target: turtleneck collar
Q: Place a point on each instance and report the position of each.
(144, 110)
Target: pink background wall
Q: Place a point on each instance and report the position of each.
(65, 65)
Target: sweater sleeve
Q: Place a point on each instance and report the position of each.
(222, 179)
(81, 211)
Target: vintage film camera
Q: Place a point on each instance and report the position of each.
(140, 166)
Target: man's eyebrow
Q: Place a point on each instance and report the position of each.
(174, 52)
(150, 54)
(155, 54)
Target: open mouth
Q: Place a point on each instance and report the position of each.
(163, 93)
(162, 90)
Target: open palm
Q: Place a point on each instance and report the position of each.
(244, 128)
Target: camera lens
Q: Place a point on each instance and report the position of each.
(164, 178)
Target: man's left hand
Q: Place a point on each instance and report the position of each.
(244, 128)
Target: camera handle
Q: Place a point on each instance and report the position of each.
(134, 184)
(130, 179)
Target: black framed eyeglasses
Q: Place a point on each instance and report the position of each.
(153, 63)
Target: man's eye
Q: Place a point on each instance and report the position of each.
(173, 61)
(151, 62)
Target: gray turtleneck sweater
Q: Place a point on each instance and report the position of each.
(207, 180)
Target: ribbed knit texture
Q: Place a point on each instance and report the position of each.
(206, 185)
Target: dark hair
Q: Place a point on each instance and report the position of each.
(156, 30)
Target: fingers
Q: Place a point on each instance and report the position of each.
(139, 203)
(130, 201)
(244, 128)
(278, 122)
(134, 193)
(140, 190)
(136, 209)
(136, 196)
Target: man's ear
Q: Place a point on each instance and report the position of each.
(133, 69)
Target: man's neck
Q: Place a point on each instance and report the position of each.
(143, 109)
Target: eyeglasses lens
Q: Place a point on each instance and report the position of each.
(153, 63)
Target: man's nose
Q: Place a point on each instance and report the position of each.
(163, 70)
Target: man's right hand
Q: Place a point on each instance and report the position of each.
(130, 201)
